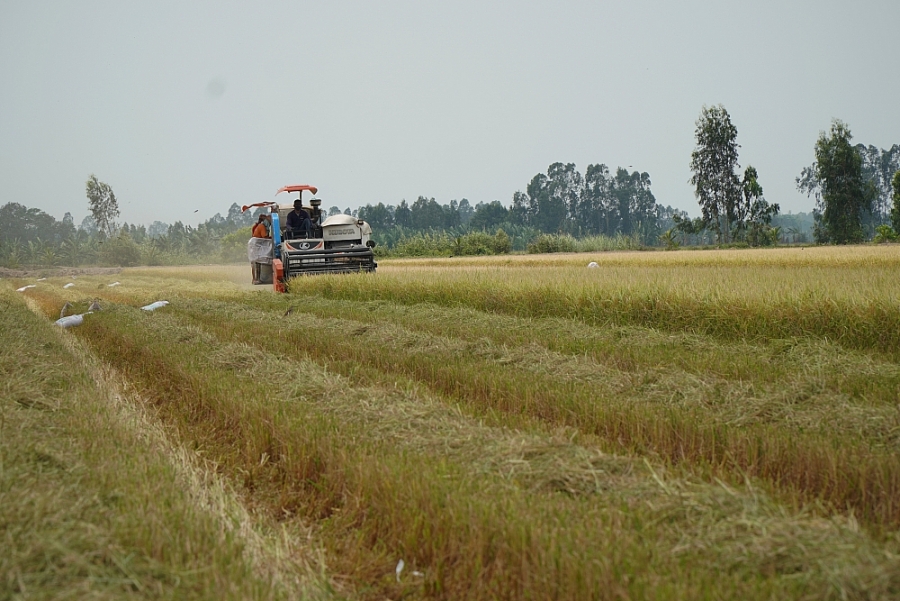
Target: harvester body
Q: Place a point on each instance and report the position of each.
(337, 244)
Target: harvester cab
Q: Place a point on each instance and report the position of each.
(336, 244)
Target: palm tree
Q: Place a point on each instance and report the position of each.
(11, 253)
(776, 234)
(793, 232)
(34, 251)
(49, 258)
(670, 239)
(72, 248)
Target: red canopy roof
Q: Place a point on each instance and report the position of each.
(298, 188)
(268, 203)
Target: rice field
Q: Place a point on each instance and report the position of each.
(667, 425)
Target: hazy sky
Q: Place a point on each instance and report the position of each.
(191, 106)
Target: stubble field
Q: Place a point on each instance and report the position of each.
(681, 425)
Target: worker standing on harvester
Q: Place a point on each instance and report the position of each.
(263, 227)
(262, 230)
(298, 220)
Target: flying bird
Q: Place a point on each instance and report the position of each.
(64, 310)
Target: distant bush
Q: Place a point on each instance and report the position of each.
(607, 243)
(150, 256)
(476, 243)
(482, 243)
(10, 255)
(233, 246)
(423, 245)
(565, 243)
(885, 233)
(552, 243)
(120, 251)
(502, 242)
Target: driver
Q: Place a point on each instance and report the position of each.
(298, 220)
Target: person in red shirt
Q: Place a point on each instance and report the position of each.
(263, 227)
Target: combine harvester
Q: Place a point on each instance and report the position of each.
(339, 244)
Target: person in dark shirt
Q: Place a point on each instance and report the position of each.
(298, 221)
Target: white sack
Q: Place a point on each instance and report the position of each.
(260, 250)
(155, 306)
(70, 321)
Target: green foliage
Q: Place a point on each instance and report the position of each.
(603, 243)
(10, 254)
(72, 250)
(562, 201)
(151, 256)
(884, 233)
(426, 212)
(476, 243)
(669, 238)
(34, 251)
(402, 215)
(49, 258)
(378, 216)
(399, 241)
(755, 213)
(482, 243)
(549, 197)
(714, 163)
(233, 246)
(878, 167)
(502, 243)
(18, 222)
(552, 243)
(435, 243)
(845, 193)
(895, 208)
(120, 251)
(797, 227)
(695, 231)
(488, 215)
(424, 244)
(103, 205)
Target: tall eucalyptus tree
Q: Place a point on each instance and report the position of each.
(715, 164)
(846, 195)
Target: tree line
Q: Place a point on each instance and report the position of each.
(856, 191)
(560, 201)
(856, 188)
